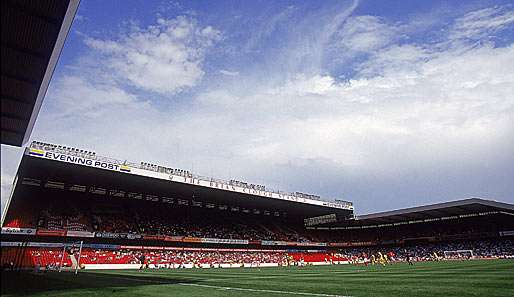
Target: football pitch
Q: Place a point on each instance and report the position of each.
(455, 278)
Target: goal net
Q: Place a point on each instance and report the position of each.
(458, 254)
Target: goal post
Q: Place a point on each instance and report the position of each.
(70, 249)
(78, 259)
(458, 254)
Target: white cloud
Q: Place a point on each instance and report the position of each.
(163, 58)
(79, 18)
(394, 59)
(303, 50)
(432, 111)
(481, 23)
(7, 180)
(78, 96)
(229, 73)
(10, 158)
(302, 85)
(365, 34)
(260, 33)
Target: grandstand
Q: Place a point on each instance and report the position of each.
(123, 211)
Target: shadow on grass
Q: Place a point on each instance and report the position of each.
(25, 283)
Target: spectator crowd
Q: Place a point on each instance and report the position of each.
(180, 258)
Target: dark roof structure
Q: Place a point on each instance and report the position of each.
(452, 208)
(44, 178)
(33, 34)
(428, 213)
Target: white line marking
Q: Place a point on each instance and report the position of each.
(262, 291)
(132, 279)
(348, 272)
(226, 288)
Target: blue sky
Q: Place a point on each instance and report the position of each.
(388, 104)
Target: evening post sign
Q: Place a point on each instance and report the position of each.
(78, 160)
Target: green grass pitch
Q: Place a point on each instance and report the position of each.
(457, 278)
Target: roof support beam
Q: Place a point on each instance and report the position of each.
(63, 32)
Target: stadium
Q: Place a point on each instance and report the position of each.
(82, 223)
(74, 210)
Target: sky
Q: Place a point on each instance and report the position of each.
(388, 104)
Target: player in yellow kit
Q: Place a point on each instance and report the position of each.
(381, 259)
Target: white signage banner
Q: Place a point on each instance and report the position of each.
(224, 241)
(80, 234)
(20, 231)
(78, 160)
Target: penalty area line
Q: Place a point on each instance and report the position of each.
(262, 290)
